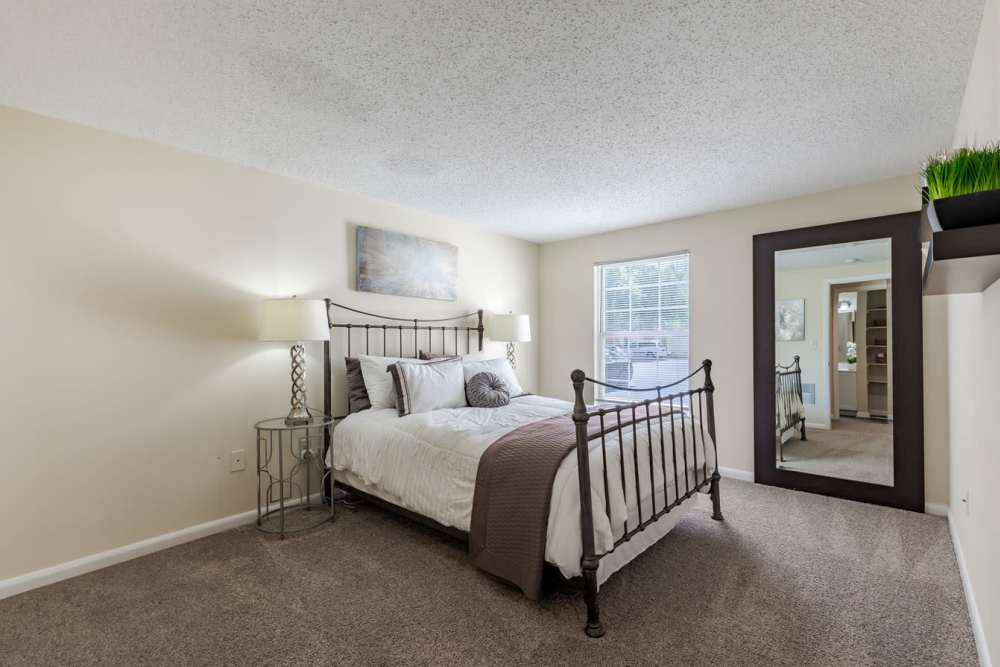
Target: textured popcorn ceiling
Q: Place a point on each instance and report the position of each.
(543, 120)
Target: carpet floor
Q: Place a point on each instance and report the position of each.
(859, 449)
(788, 579)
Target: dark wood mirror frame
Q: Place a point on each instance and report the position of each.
(907, 375)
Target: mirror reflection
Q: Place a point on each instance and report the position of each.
(833, 361)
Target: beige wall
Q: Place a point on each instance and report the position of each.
(974, 366)
(721, 247)
(979, 118)
(131, 277)
(973, 329)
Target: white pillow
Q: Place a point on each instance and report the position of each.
(484, 355)
(378, 382)
(499, 366)
(422, 387)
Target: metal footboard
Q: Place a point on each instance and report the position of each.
(788, 387)
(599, 422)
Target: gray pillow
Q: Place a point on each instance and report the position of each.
(357, 393)
(428, 356)
(487, 390)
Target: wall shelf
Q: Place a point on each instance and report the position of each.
(959, 261)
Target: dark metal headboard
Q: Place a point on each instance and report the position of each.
(383, 329)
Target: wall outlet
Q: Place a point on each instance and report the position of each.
(237, 460)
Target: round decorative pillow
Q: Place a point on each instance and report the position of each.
(487, 390)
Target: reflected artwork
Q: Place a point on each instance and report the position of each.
(790, 320)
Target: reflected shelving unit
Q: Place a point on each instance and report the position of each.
(878, 357)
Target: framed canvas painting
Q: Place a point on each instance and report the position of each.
(405, 265)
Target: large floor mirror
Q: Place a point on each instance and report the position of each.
(838, 356)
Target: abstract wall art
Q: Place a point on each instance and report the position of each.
(405, 265)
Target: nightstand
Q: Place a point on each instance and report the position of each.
(290, 472)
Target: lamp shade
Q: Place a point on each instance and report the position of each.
(510, 328)
(294, 320)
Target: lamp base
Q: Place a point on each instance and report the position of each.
(298, 417)
(511, 355)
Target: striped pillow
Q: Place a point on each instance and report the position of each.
(426, 386)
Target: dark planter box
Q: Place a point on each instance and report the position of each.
(979, 208)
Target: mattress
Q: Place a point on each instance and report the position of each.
(427, 463)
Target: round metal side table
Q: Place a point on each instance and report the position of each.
(290, 472)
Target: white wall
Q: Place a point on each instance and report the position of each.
(814, 352)
(721, 246)
(973, 329)
(131, 275)
(979, 118)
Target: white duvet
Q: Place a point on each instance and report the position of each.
(427, 463)
(789, 413)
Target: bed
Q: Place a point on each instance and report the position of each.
(619, 477)
(790, 412)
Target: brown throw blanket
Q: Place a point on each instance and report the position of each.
(510, 506)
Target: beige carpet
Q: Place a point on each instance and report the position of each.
(858, 449)
(789, 579)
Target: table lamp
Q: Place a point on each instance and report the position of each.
(511, 329)
(295, 320)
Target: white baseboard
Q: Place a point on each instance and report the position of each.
(74, 568)
(818, 427)
(936, 509)
(970, 599)
(734, 473)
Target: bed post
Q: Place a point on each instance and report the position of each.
(327, 403)
(710, 403)
(589, 562)
(798, 382)
(778, 397)
(480, 328)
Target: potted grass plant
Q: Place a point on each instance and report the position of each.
(963, 187)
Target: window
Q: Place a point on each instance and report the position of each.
(643, 331)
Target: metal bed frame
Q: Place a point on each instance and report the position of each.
(703, 397)
(788, 386)
(638, 414)
(429, 331)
